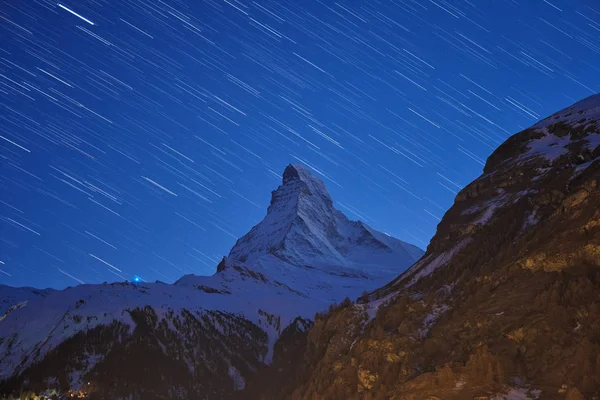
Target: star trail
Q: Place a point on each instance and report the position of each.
(139, 139)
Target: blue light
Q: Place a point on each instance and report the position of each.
(136, 279)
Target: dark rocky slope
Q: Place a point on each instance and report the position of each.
(504, 304)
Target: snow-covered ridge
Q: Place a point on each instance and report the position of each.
(10, 297)
(582, 118)
(588, 108)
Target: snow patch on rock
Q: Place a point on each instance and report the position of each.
(426, 266)
(518, 394)
(238, 380)
(550, 147)
(431, 318)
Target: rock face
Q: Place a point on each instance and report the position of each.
(201, 337)
(505, 303)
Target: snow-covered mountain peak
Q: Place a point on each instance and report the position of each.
(303, 229)
(300, 203)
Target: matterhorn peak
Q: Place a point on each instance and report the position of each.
(300, 204)
(303, 228)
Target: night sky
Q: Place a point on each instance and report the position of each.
(142, 138)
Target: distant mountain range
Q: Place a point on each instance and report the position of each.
(203, 336)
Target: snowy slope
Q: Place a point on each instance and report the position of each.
(302, 257)
(12, 298)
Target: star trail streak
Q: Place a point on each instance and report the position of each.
(142, 138)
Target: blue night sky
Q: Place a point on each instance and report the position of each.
(143, 137)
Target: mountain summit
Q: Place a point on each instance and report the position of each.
(303, 229)
(202, 336)
(300, 211)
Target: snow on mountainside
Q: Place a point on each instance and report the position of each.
(302, 257)
(588, 108)
(12, 298)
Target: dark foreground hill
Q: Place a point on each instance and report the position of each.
(505, 304)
